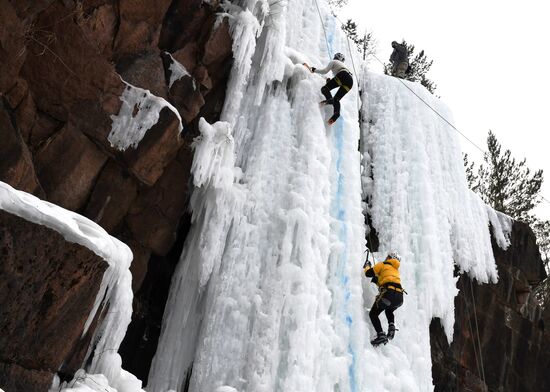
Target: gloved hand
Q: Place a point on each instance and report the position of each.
(313, 69)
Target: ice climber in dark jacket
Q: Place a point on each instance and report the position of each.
(399, 60)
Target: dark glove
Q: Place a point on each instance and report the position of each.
(313, 69)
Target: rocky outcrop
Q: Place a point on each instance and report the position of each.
(64, 67)
(500, 340)
(47, 291)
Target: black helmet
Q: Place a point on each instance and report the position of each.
(339, 57)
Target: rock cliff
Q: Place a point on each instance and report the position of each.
(500, 340)
(65, 65)
(47, 291)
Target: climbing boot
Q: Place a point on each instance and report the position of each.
(332, 120)
(380, 339)
(391, 331)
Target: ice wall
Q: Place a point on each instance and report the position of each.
(420, 204)
(267, 294)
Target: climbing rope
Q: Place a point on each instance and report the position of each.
(401, 81)
(435, 111)
(354, 69)
(324, 30)
(443, 118)
(473, 339)
(477, 334)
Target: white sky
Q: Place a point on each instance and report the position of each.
(491, 66)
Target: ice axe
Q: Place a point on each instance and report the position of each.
(367, 262)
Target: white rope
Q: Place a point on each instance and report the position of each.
(324, 30)
(477, 334)
(444, 119)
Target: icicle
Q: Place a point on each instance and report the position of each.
(214, 161)
(244, 28)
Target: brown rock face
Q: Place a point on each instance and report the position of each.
(113, 194)
(64, 64)
(16, 165)
(157, 210)
(12, 45)
(140, 25)
(509, 353)
(47, 290)
(67, 166)
(157, 149)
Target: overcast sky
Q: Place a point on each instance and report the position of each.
(491, 66)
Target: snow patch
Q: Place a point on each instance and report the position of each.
(140, 110)
(177, 71)
(72, 226)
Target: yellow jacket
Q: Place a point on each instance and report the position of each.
(386, 271)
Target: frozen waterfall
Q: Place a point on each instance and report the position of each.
(269, 293)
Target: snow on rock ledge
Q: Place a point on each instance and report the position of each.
(139, 112)
(115, 291)
(73, 227)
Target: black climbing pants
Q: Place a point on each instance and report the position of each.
(344, 80)
(387, 301)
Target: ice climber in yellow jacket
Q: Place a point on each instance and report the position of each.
(386, 275)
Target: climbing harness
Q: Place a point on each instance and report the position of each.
(339, 83)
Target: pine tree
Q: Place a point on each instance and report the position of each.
(510, 187)
(366, 45)
(542, 231)
(506, 185)
(419, 67)
(350, 28)
(470, 175)
(337, 3)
